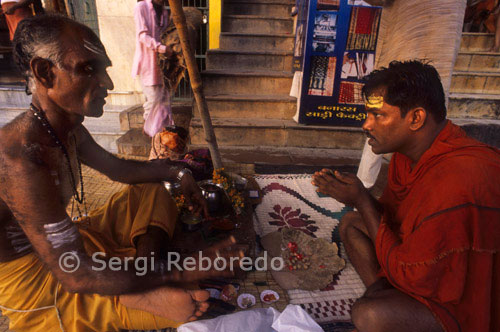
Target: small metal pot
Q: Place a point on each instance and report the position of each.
(215, 196)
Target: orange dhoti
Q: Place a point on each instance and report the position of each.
(34, 300)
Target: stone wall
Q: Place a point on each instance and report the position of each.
(117, 32)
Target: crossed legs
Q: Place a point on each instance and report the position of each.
(382, 308)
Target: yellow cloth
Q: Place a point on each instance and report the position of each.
(26, 284)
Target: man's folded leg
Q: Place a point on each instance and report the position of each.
(115, 227)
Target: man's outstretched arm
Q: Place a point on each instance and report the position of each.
(34, 197)
(133, 171)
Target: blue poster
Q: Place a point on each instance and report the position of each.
(340, 46)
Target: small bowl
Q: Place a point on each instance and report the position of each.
(246, 301)
(269, 292)
(216, 197)
(190, 222)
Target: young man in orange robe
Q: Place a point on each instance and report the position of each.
(428, 250)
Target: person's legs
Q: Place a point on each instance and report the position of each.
(384, 308)
(359, 247)
(135, 221)
(153, 95)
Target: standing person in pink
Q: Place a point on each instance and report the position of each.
(151, 19)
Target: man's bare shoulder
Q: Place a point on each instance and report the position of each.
(23, 140)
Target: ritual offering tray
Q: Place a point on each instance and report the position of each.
(310, 263)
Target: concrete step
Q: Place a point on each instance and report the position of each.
(484, 130)
(253, 60)
(475, 82)
(272, 155)
(473, 105)
(133, 117)
(251, 106)
(476, 41)
(217, 82)
(478, 61)
(14, 95)
(275, 9)
(256, 24)
(278, 133)
(255, 41)
(105, 130)
(134, 143)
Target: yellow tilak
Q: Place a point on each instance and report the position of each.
(374, 102)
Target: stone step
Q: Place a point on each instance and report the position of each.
(484, 130)
(475, 41)
(475, 82)
(472, 105)
(217, 82)
(133, 117)
(9, 113)
(255, 41)
(278, 133)
(256, 24)
(478, 61)
(14, 95)
(254, 60)
(272, 155)
(268, 9)
(134, 143)
(251, 106)
(105, 130)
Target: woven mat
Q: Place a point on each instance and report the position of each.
(291, 201)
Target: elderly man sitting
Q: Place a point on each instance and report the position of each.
(49, 279)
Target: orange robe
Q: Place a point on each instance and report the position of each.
(440, 233)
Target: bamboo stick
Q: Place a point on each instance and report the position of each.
(195, 79)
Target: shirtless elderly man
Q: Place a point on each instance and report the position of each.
(428, 250)
(40, 153)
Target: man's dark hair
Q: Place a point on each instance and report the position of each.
(407, 85)
(40, 36)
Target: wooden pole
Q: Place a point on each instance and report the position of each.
(195, 78)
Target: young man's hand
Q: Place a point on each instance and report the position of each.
(344, 187)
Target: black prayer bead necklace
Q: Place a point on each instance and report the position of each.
(80, 198)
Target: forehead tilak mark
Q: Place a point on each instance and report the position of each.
(374, 101)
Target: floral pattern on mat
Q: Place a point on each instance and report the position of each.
(292, 218)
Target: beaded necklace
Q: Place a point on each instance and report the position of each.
(80, 198)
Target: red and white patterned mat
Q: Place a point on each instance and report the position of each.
(292, 201)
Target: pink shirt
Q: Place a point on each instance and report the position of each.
(147, 41)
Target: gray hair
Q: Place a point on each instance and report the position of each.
(40, 36)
